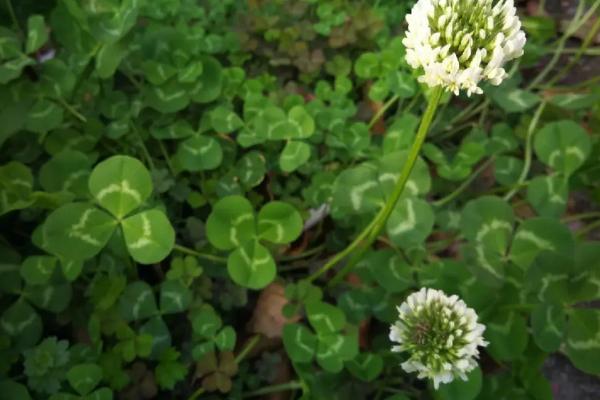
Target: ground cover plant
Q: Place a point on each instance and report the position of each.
(205, 199)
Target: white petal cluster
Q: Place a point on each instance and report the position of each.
(459, 43)
(440, 335)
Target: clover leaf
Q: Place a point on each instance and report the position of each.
(170, 370)
(84, 377)
(175, 297)
(16, 185)
(583, 339)
(199, 153)
(329, 346)
(410, 223)
(294, 155)
(389, 270)
(120, 184)
(507, 333)
(22, 323)
(538, 234)
(548, 195)
(208, 326)
(548, 323)
(149, 236)
(77, 231)
(251, 265)
(37, 270)
(487, 222)
(562, 145)
(364, 189)
(137, 302)
(232, 225)
(300, 343)
(366, 366)
(279, 222)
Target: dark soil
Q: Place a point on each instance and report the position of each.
(562, 11)
(569, 383)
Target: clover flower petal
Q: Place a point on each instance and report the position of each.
(440, 334)
(459, 43)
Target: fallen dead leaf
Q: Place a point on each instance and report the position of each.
(268, 318)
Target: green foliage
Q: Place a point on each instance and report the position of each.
(45, 365)
(170, 371)
(329, 345)
(232, 225)
(211, 334)
(172, 171)
(78, 231)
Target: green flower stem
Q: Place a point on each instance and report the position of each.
(463, 186)
(163, 150)
(462, 115)
(191, 252)
(380, 220)
(483, 114)
(477, 110)
(71, 109)
(247, 349)
(133, 81)
(583, 85)
(305, 254)
(542, 6)
(339, 256)
(282, 387)
(516, 186)
(587, 229)
(13, 17)
(196, 394)
(580, 52)
(444, 135)
(143, 146)
(382, 110)
(594, 51)
(578, 217)
(439, 245)
(573, 27)
(87, 71)
(413, 102)
(528, 145)
(365, 232)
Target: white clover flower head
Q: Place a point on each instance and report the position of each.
(459, 43)
(440, 334)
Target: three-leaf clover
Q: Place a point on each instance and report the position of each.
(209, 328)
(232, 225)
(333, 342)
(83, 378)
(170, 370)
(364, 189)
(119, 185)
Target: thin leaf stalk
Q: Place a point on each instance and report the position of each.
(380, 220)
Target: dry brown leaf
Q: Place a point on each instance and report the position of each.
(268, 318)
(143, 385)
(523, 210)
